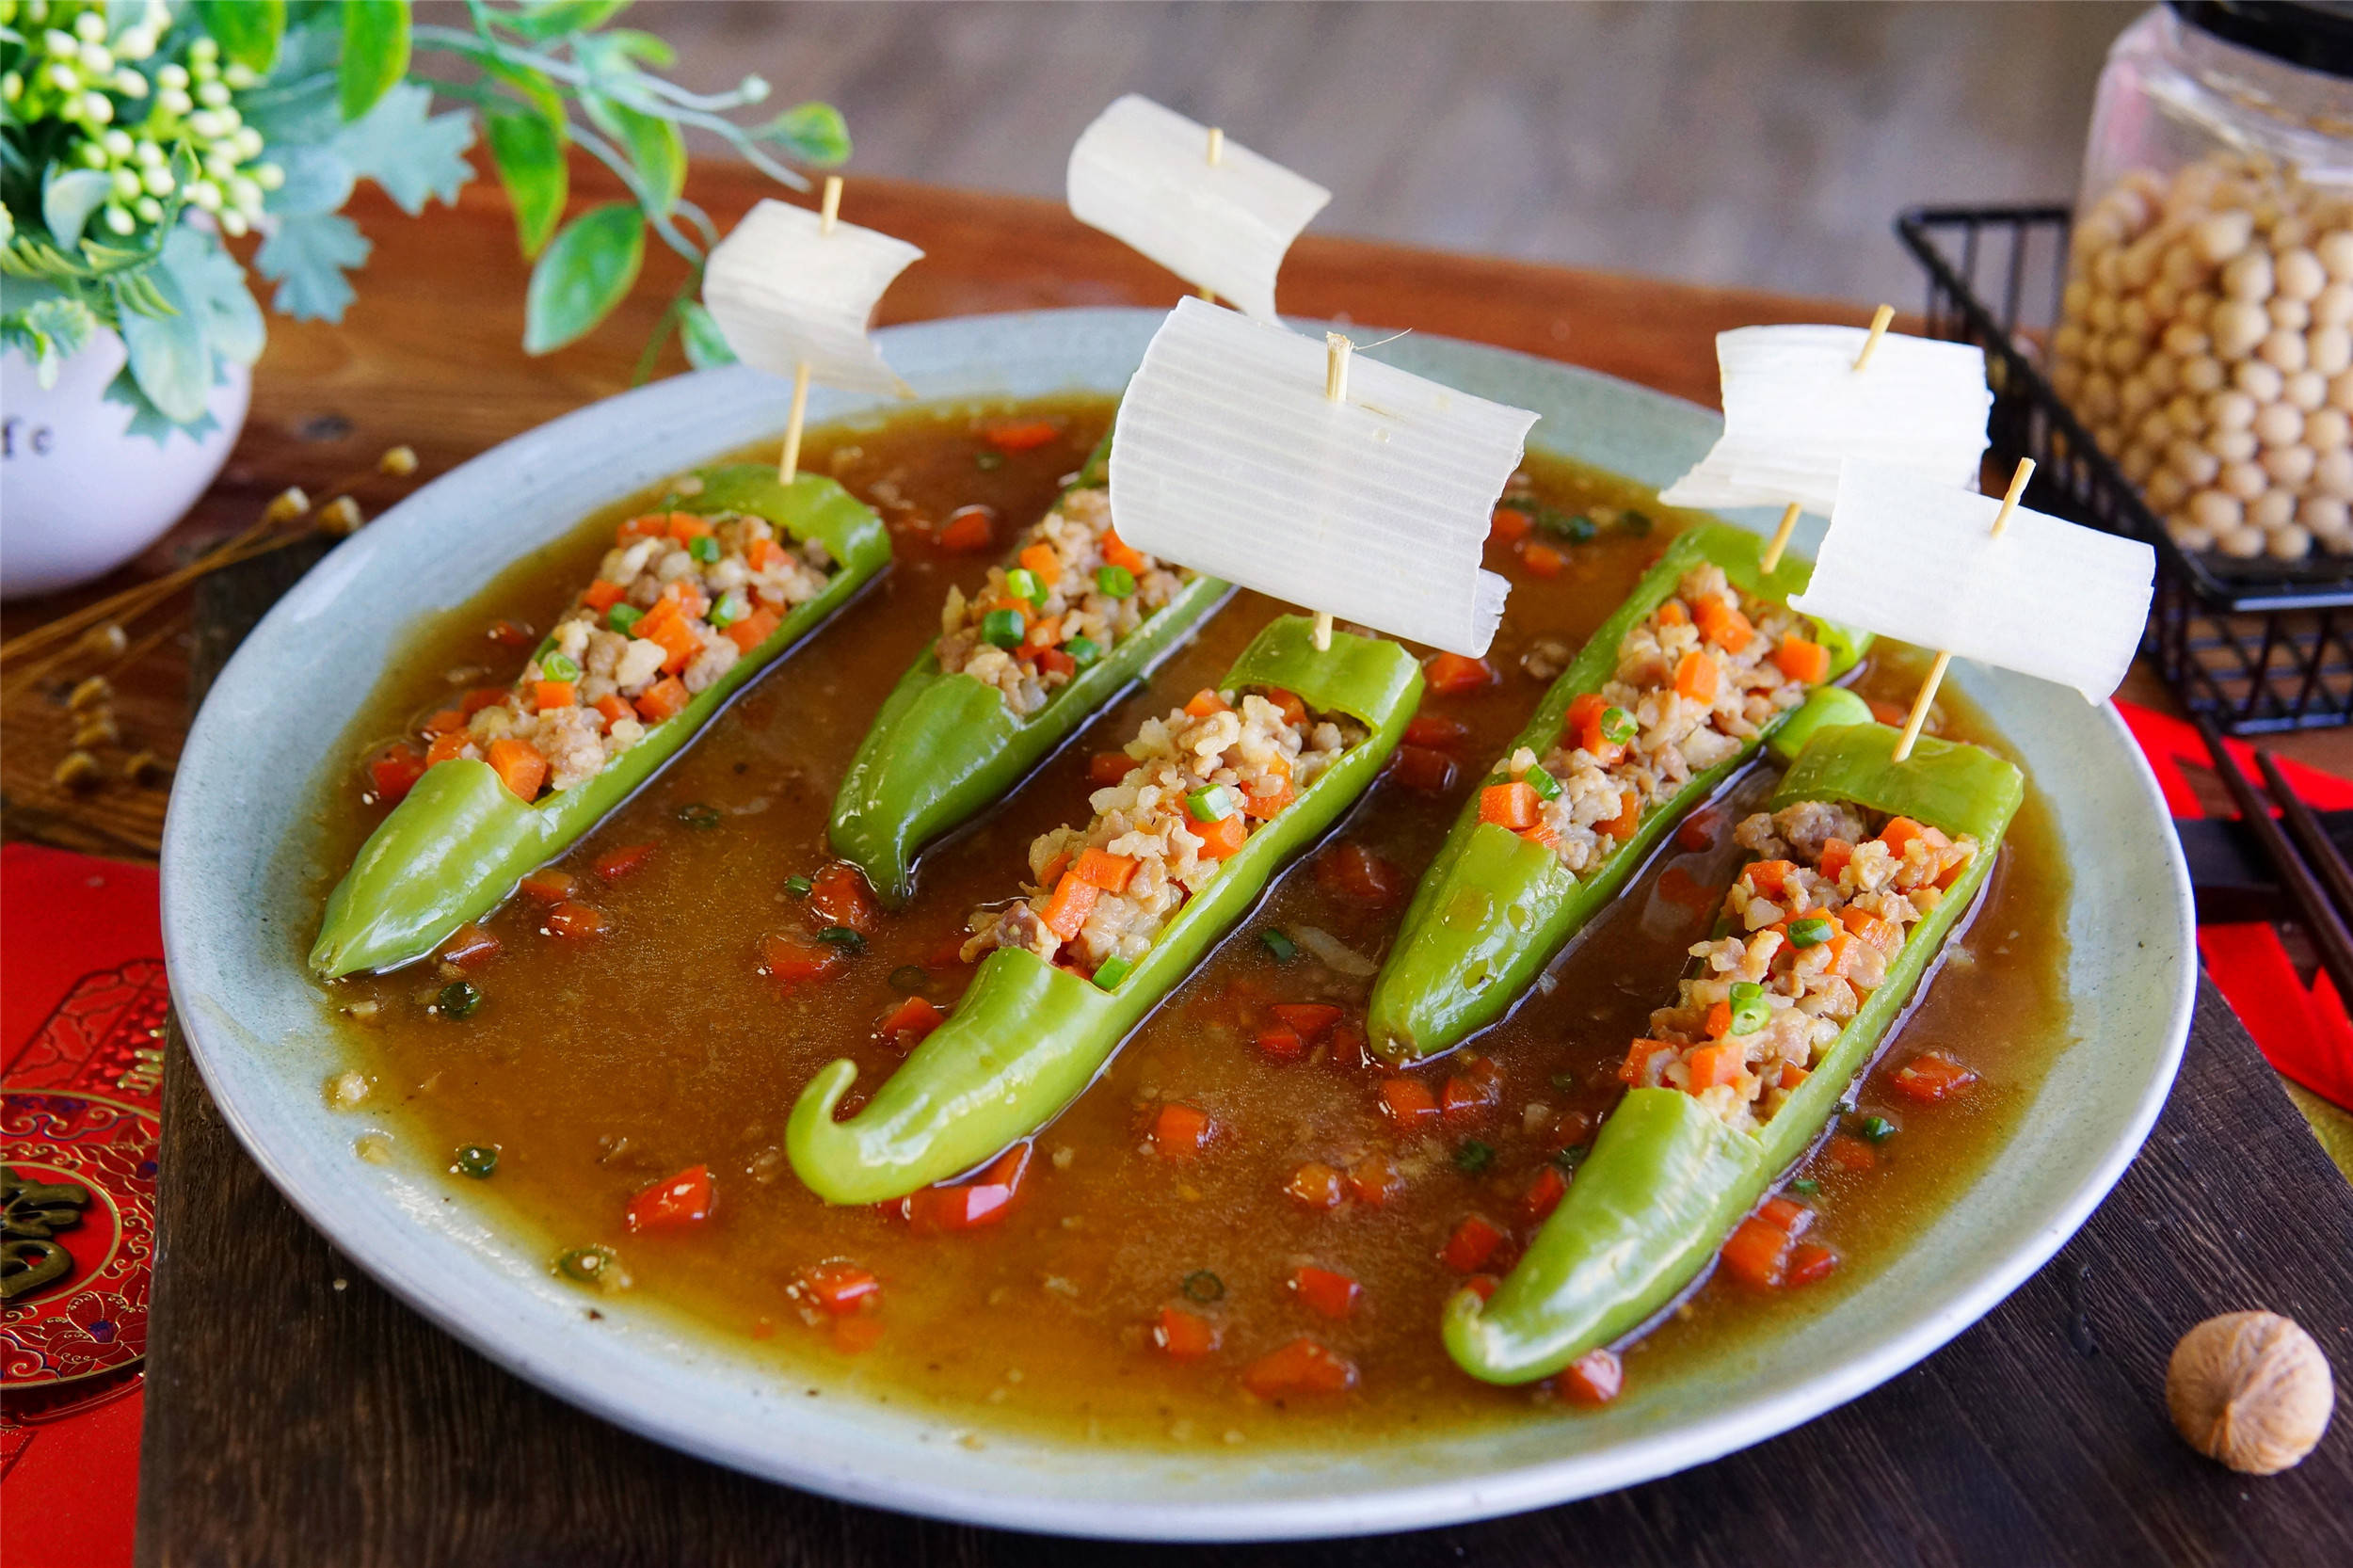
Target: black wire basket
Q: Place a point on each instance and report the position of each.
(2260, 645)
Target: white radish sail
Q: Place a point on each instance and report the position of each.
(1229, 458)
(1910, 558)
(1795, 408)
(1143, 174)
(788, 292)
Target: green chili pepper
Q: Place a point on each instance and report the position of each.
(460, 840)
(1666, 1181)
(1494, 908)
(1809, 931)
(1279, 944)
(945, 746)
(1028, 1037)
(622, 617)
(1751, 1012)
(1118, 582)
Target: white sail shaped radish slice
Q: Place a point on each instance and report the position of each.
(1141, 173)
(1795, 408)
(788, 292)
(1229, 458)
(1919, 561)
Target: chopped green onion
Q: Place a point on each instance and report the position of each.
(1876, 1129)
(587, 1265)
(1472, 1157)
(988, 462)
(1809, 931)
(1118, 582)
(1806, 1186)
(477, 1161)
(1634, 521)
(1577, 529)
(1284, 949)
(1004, 628)
(1546, 785)
(622, 616)
(1204, 1287)
(798, 885)
(702, 818)
(1617, 725)
(1022, 583)
(559, 667)
(703, 548)
(910, 980)
(843, 937)
(1566, 1082)
(1209, 803)
(1571, 1157)
(458, 998)
(1111, 971)
(732, 607)
(1083, 651)
(1750, 1011)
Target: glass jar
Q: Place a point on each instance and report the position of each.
(2205, 333)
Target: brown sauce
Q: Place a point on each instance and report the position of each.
(597, 1068)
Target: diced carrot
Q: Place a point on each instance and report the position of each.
(1066, 911)
(650, 526)
(1512, 805)
(1696, 677)
(1021, 435)
(1840, 944)
(1543, 1195)
(1206, 702)
(1771, 877)
(1325, 1292)
(1315, 1185)
(1801, 660)
(1880, 934)
(1108, 767)
(1179, 1130)
(968, 529)
(1646, 1060)
(1482, 1285)
(615, 709)
(519, 765)
(1792, 1075)
(908, 1023)
(686, 1199)
(1898, 833)
(1850, 1153)
(1374, 1180)
(793, 960)
(601, 596)
(507, 634)
(1509, 526)
(1470, 1093)
(762, 554)
(444, 722)
(1289, 704)
(858, 1333)
(469, 945)
(1119, 552)
(1224, 836)
(839, 1287)
(1713, 1064)
(1544, 835)
(1696, 834)
(574, 921)
(1270, 804)
(677, 639)
(1042, 563)
(1053, 661)
(1041, 635)
(686, 526)
(754, 629)
(1473, 1242)
(1756, 1254)
(615, 864)
(984, 1200)
(446, 748)
(479, 698)
(1051, 876)
(1420, 768)
(548, 884)
(1889, 713)
(1721, 623)
(1593, 1379)
(1099, 867)
(1567, 1130)
(1673, 613)
(1437, 730)
(1585, 708)
(1311, 1020)
(552, 693)
(1452, 672)
(665, 699)
(1302, 1366)
(1542, 560)
(838, 895)
(1281, 1042)
(1184, 1336)
(1836, 853)
(395, 772)
(1358, 875)
(1408, 1101)
(1720, 1020)
(1629, 817)
(1808, 1263)
(1785, 1213)
(1933, 1076)
(687, 596)
(1955, 861)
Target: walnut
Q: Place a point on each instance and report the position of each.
(2250, 1389)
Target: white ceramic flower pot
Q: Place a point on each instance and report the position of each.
(79, 494)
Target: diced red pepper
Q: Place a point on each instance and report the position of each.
(1473, 1242)
(1785, 1213)
(548, 884)
(1108, 767)
(795, 960)
(1315, 1185)
(1451, 672)
(1421, 768)
(1179, 1130)
(1809, 1263)
(982, 1201)
(1184, 1336)
(1697, 832)
(1543, 1195)
(968, 529)
(1469, 1094)
(395, 772)
(1302, 1366)
(615, 864)
(469, 945)
(1509, 526)
(1850, 1153)
(838, 895)
(1543, 561)
(1281, 1042)
(1020, 436)
(838, 1287)
(1593, 1379)
(1435, 730)
(1757, 1253)
(1408, 1100)
(1933, 1076)
(1053, 661)
(907, 1024)
(1374, 1180)
(575, 922)
(856, 1333)
(1309, 1021)
(507, 634)
(686, 1199)
(1325, 1292)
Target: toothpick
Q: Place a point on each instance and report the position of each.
(789, 464)
(1335, 352)
(1780, 537)
(1216, 145)
(829, 204)
(1880, 319)
(1919, 715)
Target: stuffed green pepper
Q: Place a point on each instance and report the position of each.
(1860, 869)
(1056, 632)
(1220, 794)
(689, 603)
(1670, 697)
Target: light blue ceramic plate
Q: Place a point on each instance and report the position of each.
(238, 859)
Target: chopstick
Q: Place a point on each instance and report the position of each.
(2320, 851)
(2312, 901)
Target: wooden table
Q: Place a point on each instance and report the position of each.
(297, 1414)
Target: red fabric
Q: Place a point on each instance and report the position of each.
(81, 1000)
(2303, 1032)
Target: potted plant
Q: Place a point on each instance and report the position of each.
(150, 154)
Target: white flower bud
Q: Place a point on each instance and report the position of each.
(248, 142)
(206, 195)
(59, 46)
(126, 184)
(172, 77)
(204, 50)
(212, 95)
(130, 83)
(91, 154)
(136, 43)
(97, 59)
(246, 196)
(158, 181)
(151, 153)
(90, 27)
(149, 209)
(240, 75)
(755, 89)
(62, 77)
(268, 176)
(116, 143)
(219, 164)
(229, 116)
(232, 223)
(118, 220)
(204, 123)
(172, 101)
(97, 108)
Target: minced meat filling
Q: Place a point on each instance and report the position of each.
(677, 601)
(1201, 781)
(1075, 590)
(1695, 678)
(1815, 922)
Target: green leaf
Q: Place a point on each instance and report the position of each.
(411, 155)
(214, 284)
(647, 48)
(532, 85)
(297, 106)
(586, 272)
(69, 198)
(147, 420)
(307, 258)
(49, 332)
(171, 358)
(546, 19)
(376, 53)
(248, 31)
(706, 346)
(653, 144)
(812, 133)
(318, 180)
(530, 160)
